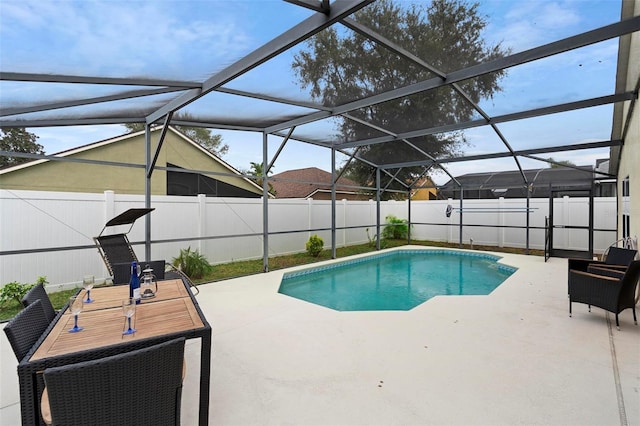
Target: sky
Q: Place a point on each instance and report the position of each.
(192, 40)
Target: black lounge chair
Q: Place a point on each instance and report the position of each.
(116, 250)
(141, 387)
(24, 330)
(39, 293)
(117, 253)
(606, 288)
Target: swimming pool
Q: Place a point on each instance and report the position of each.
(396, 280)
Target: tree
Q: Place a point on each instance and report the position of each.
(556, 164)
(201, 135)
(18, 140)
(257, 169)
(338, 68)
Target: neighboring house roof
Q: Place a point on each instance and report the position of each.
(177, 151)
(509, 184)
(307, 183)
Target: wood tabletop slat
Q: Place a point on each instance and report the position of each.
(104, 327)
(112, 296)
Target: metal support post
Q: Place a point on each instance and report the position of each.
(147, 192)
(460, 230)
(409, 217)
(526, 251)
(265, 206)
(378, 208)
(333, 203)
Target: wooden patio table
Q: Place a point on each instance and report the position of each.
(174, 312)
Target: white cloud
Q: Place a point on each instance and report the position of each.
(57, 139)
(555, 14)
(18, 15)
(124, 38)
(529, 24)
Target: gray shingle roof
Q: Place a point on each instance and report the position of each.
(302, 183)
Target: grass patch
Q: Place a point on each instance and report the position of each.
(251, 267)
(58, 300)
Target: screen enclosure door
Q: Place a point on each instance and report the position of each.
(570, 227)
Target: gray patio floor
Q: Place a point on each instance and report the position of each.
(513, 357)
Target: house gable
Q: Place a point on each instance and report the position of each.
(177, 149)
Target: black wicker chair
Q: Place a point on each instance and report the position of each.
(25, 328)
(609, 289)
(616, 256)
(39, 293)
(142, 387)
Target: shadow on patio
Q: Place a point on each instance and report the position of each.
(513, 357)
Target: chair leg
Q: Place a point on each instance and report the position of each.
(617, 323)
(569, 308)
(589, 308)
(635, 319)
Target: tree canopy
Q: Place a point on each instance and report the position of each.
(212, 143)
(18, 140)
(257, 169)
(556, 164)
(341, 66)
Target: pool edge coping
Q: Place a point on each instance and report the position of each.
(357, 258)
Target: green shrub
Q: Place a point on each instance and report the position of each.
(15, 291)
(372, 240)
(395, 228)
(192, 263)
(315, 245)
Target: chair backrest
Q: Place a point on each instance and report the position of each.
(142, 387)
(122, 271)
(115, 249)
(25, 328)
(39, 293)
(620, 256)
(629, 283)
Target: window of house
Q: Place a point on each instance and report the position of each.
(190, 184)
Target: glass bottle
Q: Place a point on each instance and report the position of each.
(134, 283)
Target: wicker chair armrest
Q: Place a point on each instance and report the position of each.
(606, 271)
(583, 274)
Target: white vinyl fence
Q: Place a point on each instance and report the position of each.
(33, 223)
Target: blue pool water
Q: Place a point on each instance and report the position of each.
(398, 280)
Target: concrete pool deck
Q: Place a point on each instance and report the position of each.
(513, 357)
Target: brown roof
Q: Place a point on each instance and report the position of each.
(303, 189)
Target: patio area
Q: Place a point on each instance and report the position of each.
(513, 357)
